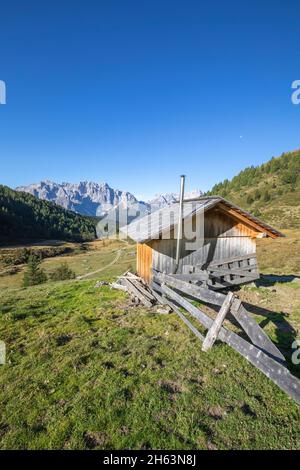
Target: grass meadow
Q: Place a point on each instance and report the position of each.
(86, 369)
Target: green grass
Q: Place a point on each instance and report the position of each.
(87, 370)
(96, 256)
(280, 256)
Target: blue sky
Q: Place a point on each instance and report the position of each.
(137, 92)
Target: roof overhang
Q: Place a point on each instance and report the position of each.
(153, 225)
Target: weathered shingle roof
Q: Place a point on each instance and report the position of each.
(152, 225)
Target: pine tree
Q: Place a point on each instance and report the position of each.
(34, 274)
(250, 200)
(257, 195)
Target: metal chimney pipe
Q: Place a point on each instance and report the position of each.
(179, 229)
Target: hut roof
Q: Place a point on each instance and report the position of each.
(152, 225)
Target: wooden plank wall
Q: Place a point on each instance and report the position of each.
(144, 261)
(214, 249)
(219, 224)
(224, 237)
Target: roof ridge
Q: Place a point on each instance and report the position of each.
(207, 203)
(200, 198)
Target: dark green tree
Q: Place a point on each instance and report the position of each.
(34, 274)
(23, 216)
(257, 195)
(250, 200)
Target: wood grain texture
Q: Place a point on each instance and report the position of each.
(271, 368)
(214, 330)
(144, 261)
(253, 330)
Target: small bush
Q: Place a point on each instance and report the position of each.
(34, 274)
(62, 273)
(16, 257)
(21, 256)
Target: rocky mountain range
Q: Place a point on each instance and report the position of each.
(96, 199)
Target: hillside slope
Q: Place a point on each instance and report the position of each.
(24, 216)
(270, 191)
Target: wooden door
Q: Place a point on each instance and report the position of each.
(144, 261)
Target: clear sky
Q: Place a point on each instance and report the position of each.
(137, 92)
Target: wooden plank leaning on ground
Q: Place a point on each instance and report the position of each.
(249, 267)
(143, 290)
(217, 283)
(222, 271)
(192, 277)
(271, 368)
(165, 301)
(238, 311)
(233, 258)
(214, 330)
(116, 285)
(136, 292)
(218, 272)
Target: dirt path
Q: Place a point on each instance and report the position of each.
(117, 257)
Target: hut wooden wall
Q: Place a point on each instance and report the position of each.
(224, 237)
(213, 249)
(144, 261)
(218, 223)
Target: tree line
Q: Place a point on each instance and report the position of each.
(23, 216)
(286, 177)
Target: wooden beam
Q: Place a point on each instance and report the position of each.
(253, 330)
(162, 300)
(116, 285)
(203, 276)
(243, 276)
(165, 301)
(137, 283)
(215, 284)
(214, 330)
(232, 259)
(268, 366)
(245, 219)
(229, 269)
(199, 293)
(245, 271)
(131, 288)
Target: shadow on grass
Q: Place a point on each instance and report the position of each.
(267, 280)
(284, 332)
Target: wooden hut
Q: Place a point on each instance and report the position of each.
(224, 256)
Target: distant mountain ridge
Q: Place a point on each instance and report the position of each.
(86, 197)
(96, 199)
(270, 191)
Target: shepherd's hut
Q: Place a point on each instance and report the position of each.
(207, 239)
